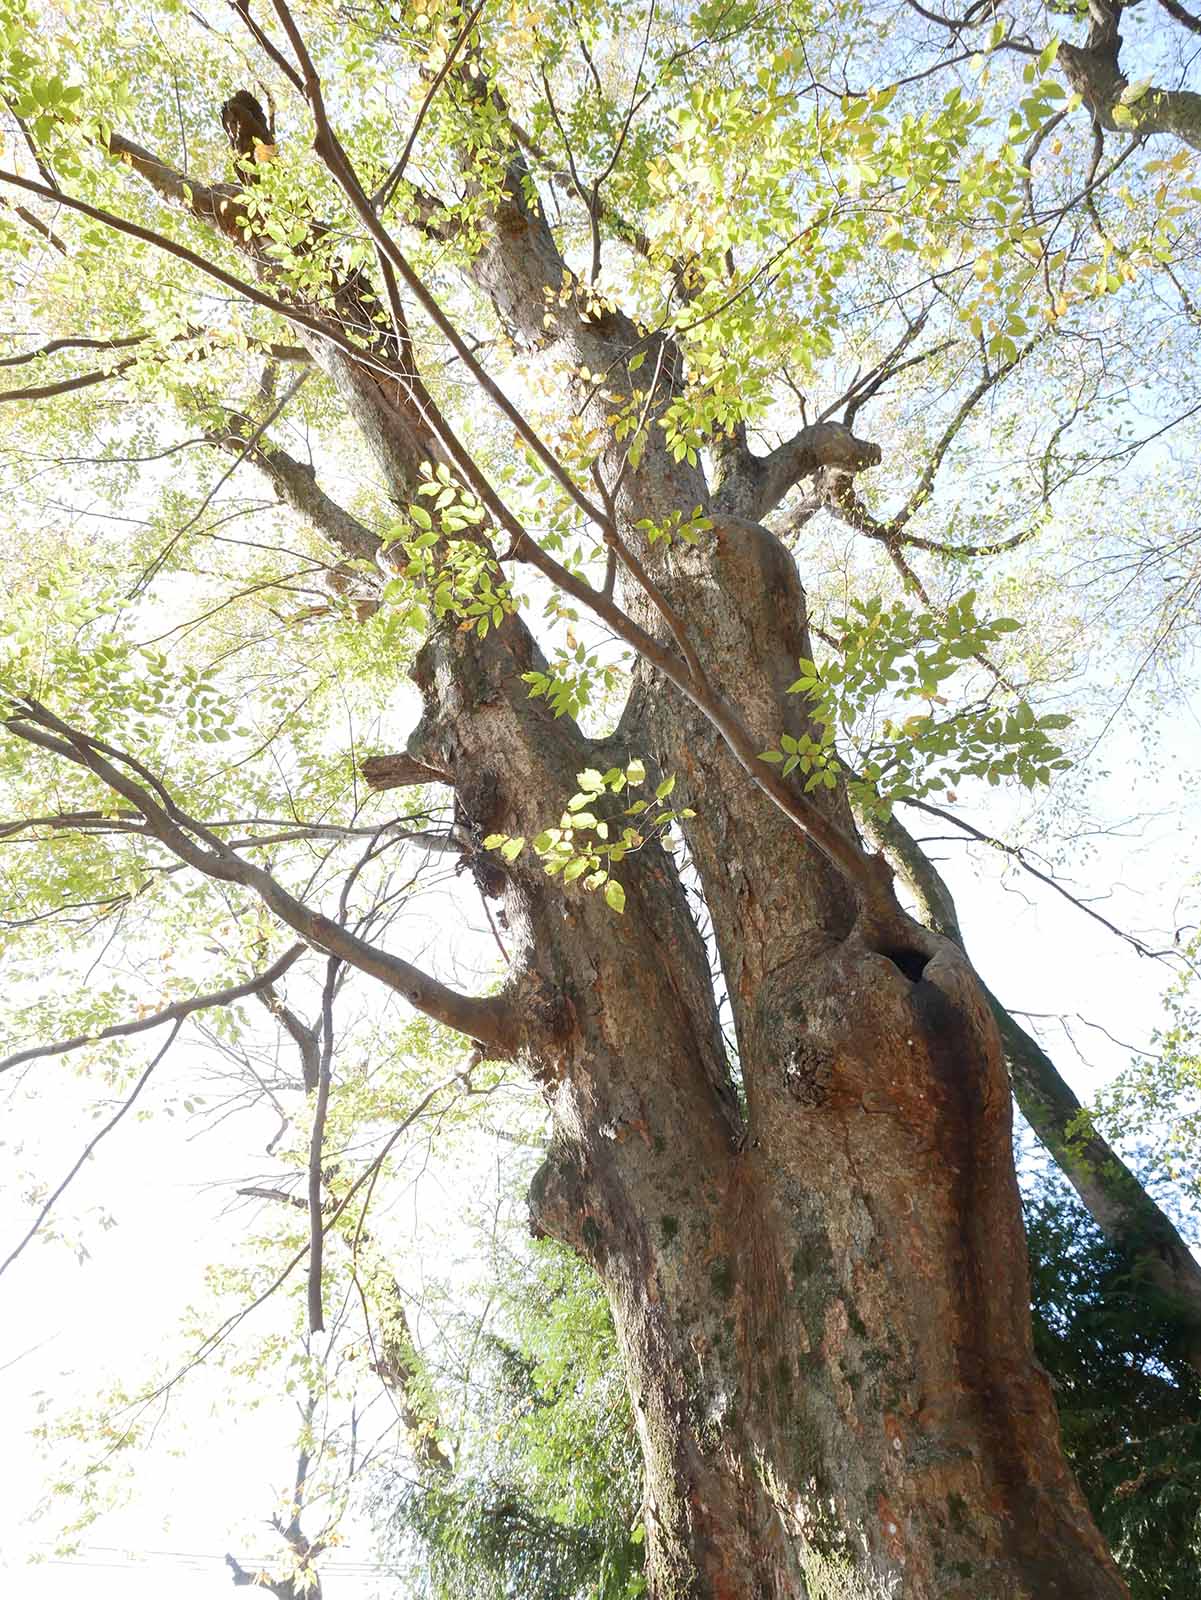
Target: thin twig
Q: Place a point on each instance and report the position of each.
(89, 1148)
(172, 1013)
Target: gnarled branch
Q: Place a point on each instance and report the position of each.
(492, 1020)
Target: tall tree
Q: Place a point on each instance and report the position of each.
(546, 320)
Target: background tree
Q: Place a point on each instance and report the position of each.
(571, 317)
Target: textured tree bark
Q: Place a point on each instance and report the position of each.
(1126, 1214)
(822, 1307)
(819, 1285)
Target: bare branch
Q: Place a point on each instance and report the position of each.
(172, 1013)
(490, 1020)
(1018, 857)
(756, 484)
(1185, 18)
(400, 772)
(388, 187)
(296, 484)
(218, 1336)
(305, 1039)
(86, 380)
(836, 490)
(89, 1148)
(41, 228)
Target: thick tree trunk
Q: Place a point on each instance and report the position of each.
(823, 1310)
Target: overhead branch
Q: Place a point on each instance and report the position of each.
(99, 822)
(76, 343)
(74, 821)
(214, 203)
(988, 381)
(281, 1588)
(295, 482)
(621, 227)
(752, 486)
(84, 380)
(976, 14)
(490, 1020)
(755, 486)
(277, 352)
(306, 1039)
(172, 1013)
(323, 324)
(308, 322)
(1020, 859)
(437, 79)
(868, 386)
(1185, 18)
(87, 380)
(43, 229)
(1117, 1202)
(1095, 73)
(837, 495)
(399, 772)
(835, 491)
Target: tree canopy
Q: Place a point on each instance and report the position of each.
(379, 383)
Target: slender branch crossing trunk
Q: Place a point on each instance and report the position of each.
(1156, 1254)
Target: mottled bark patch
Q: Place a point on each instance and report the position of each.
(808, 1073)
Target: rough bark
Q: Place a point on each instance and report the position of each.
(822, 1302)
(1126, 1214)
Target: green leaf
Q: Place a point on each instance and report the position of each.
(615, 895)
